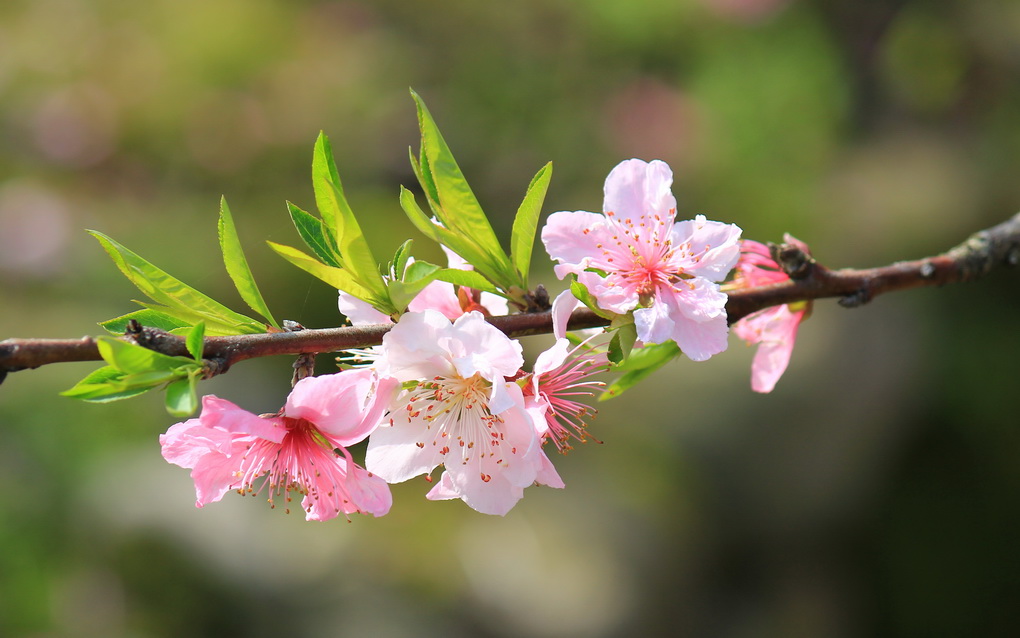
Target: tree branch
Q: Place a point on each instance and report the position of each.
(977, 256)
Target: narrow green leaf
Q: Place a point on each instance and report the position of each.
(102, 385)
(237, 265)
(468, 278)
(315, 235)
(355, 254)
(400, 258)
(213, 327)
(460, 210)
(650, 356)
(195, 341)
(522, 238)
(150, 318)
(175, 295)
(626, 382)
(336, 277)
(132, 359)
(181, 398)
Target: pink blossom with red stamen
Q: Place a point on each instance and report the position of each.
(302, 449)
(635, 258)
(561, 374)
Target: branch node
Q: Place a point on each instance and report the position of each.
(1013, 256)
(927, 270)
(214, 367)
(793, 259)
(856, 299)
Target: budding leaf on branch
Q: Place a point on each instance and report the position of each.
(146, 317)
(464, 227)
(316, 236)
(355, 253)
(237, 266)
(172, 296)
(133, 370)
(339, 278)
(522, 238)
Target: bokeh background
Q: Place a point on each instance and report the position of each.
(876, 492)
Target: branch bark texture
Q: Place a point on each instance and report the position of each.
(981, 253)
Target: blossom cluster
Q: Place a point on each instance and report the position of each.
(447, 390)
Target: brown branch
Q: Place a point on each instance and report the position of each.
(982, 252)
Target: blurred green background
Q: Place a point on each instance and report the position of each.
(876, 492)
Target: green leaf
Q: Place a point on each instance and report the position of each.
(181, 397)
(237, 265)
(626, 382)
(522, 238)
(418, 275)
(103, 385)
(213, 327)
(458, 209)
(467, 278)
(315, 235)
(581, 292)
(178, 298)
(650, 356)
(150, 318)
(336, 277)
(195, 341)
(622, 342)
(400, 258)
(132, 359)
(355, 253)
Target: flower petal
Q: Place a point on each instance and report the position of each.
(360, 313)
(222, 414)
(346, 406)
(572, 238)
(635, 188)
(714, 246)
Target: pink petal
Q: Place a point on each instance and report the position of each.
(571, 238)
(496, 496)
(634, 188)
(347, 405)
(480, 347)
(562, 307)
(548, 475)
(439, 296)
(222, 414)
(700, 340)
(715, 245)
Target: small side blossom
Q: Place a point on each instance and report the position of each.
(457, 409)
(636, 258)
(438, 295)
(773, 329)
(301, 449)
(559, 376)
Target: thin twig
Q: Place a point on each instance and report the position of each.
(978, 255)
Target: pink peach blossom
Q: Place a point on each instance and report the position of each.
(300, 449)
(635, 258)
(773, 329)
(457, 409)
(560, 374)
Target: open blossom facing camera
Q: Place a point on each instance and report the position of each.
(301, 449)
(773, 329)
(458, 410)
(637, 258)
